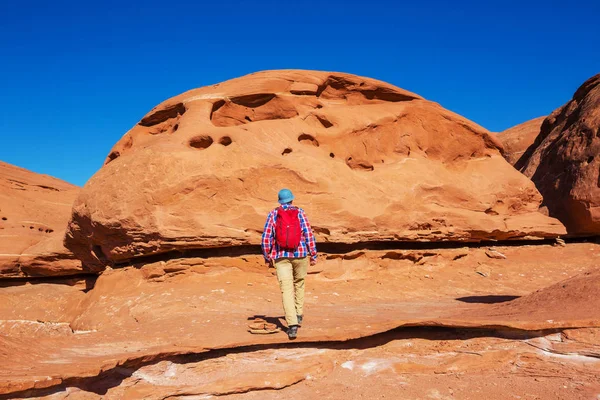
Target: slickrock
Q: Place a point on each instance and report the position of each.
(412, 363)
(34, 212)
(574, 299)
(564, 161)
(368, 162)
(136, 320)
(517, 139)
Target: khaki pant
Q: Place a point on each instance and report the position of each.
(290, 274)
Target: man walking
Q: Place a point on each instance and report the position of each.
(288, 243)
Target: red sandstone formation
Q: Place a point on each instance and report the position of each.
(34, 211)
(564, 161)
(370, 163)
(127, 337)
(518, 138)
(367, 160)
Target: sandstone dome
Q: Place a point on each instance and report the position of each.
(368, 162)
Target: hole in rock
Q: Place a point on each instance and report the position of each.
(175, 127)
(225, 141)
(49, 230)
(385, 95)
(48, 187)
(31, 227)
(319, 106)
(216, 106)
(590, 159)
(97, 251)
(253, 100)
(113, 155)
(163, 115)
(324, 121)
(308, 138)
(286, 151)
(337, 87)
(359, 165)
(331, 155)
(4, 218)
(302, 92)
(201, 142)
(252, 108)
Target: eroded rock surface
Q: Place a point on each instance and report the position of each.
(368, 162)
(139, 321)
(517, 139)
(34, 212)
(412, 363)
(564, 161)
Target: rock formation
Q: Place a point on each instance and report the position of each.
(34, 212)
(564, 161)
(178, 328)
(518, 138)
(177, 211)
(367, 160)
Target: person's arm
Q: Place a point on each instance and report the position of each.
(309, 237)
(267, 238)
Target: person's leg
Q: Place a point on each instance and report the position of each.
(285, 276)
(300, 267)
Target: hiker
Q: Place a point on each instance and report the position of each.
(288, 244)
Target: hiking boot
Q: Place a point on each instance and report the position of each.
(299, 320)
(292, 332)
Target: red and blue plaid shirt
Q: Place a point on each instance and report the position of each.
(270, 248)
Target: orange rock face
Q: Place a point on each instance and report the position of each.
(564, 161)
(34, 211)
(367, 161)
(518, 138)
(179, 327)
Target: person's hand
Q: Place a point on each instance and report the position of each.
(313, 261)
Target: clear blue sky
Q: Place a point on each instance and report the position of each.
(75, 76)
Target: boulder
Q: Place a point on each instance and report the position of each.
(564, 161)
(368, 162)
(517, 139)
(34, 212)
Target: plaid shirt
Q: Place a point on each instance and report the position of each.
(270, 248)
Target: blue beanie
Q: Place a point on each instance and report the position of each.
(285, 196)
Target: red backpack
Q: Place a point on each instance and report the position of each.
(287, 228)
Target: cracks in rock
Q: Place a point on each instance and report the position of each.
(114, 376)
(550, 351)
(71, 280)
(341, 248)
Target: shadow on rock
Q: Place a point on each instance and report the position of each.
(490, 299)
(271, 320)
